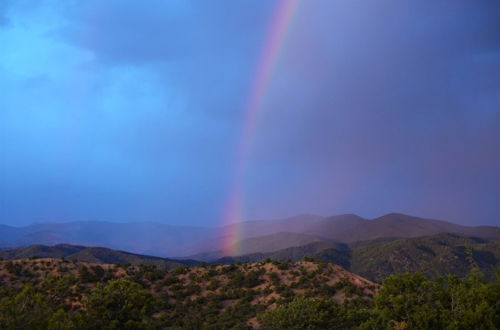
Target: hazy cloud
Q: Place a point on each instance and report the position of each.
(131, 111)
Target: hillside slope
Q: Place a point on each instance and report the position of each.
(261, 244)
(137, 237)
(96, 255)
(211, 297)
(182, 241)
(435, 255)
(324, 250)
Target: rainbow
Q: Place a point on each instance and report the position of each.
(280, 23)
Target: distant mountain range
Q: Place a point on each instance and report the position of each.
(96, 255)
(264, 236)
(137, 237)
(348, 229)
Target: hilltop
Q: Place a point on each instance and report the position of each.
(433, 256)
(97, 255)
(235, 293)
(436, 255)
(261, 236)
(50, 293)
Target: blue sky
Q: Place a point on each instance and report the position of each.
(132, 110)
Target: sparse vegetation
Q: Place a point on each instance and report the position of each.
(434, 256)
(91, 296)
(302, 295)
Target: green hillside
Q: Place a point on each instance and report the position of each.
(53, 293)
(435, 255)
(328, 251)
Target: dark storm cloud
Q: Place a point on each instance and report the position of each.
(401, 107)
(162, 31)
(125, 111)
(3, 13)
(209, 49)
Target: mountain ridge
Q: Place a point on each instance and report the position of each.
(436, 255)
(165, 240)
(92, 254)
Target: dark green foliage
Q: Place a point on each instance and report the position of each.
(213, 284)
(98, 272)
(434, 256)
(237, 279)
(192, 289)
(120, 304)
(305, 313)
(413, 302)
(405, 301)
(284, 265)
(437, 255)
(85, 275)
(327, 290)
(252, 279)
(90, 296)
(275, 280)
(212, 272)
(151, 273)
(27, 309)
(180, 271)
(170, 280)
(14, 268)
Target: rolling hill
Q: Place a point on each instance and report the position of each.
(205, 297)
(261, 244)
(96, 255)
(261, 236)
(435, 255)
(350, 228)
(137, 237)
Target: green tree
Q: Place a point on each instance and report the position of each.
(62, 320)
(408, 301)
(305, 313)
(120, 304)
(27, 309)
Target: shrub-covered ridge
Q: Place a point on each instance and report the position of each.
(62, 294)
